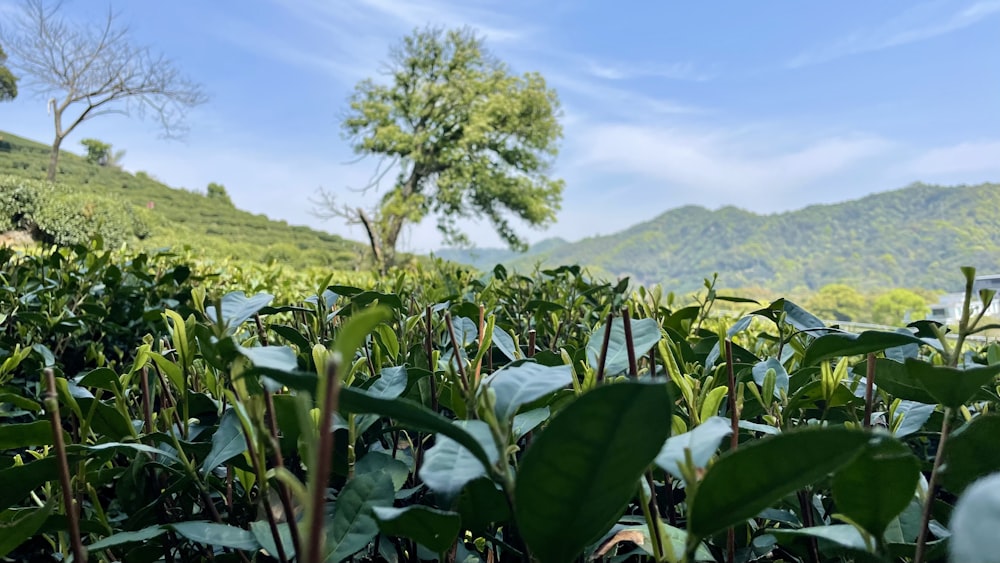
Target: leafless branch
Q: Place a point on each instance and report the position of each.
(94, 69)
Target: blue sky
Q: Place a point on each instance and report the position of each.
(766, 105)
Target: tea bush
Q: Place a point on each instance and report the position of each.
(436, 414)
(58, 215)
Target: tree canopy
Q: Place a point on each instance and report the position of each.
(93, 69)
(467, 136)
(8, 82)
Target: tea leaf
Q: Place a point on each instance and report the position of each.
(581, 471)
(877, 485)
(741, 483)
(227, 442)
(353, 524)
(517, 385)
(645, 335)
(432, 528)
(949, 386)
(844, 344)
(448, 465)
(971, 453)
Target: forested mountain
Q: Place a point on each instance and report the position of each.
(917, 236)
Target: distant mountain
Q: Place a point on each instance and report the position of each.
(487, 258)
(917, 236)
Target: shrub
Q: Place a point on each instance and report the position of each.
(56, 214)
(20, 199)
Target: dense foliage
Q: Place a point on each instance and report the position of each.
(435, 414)
(177, 217)
(917, 236)
(469, 138)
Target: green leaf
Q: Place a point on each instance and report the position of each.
(391, 383)
(845, 344)
(893, 378)
(291, 335)
(14, 533)
(227, 442)
(519, 384)
(354, 332)
(581, 471)
(949, 386)
(645, 335)
(504, 343)
(528, 421)
(237, 308)
(843, 535)
(102, 378)
(274, 357)
(971, 453)
(432, 528)
(703, 441)
(217, 535)
(20, 402)
(106, 419)
(262, 532)
(975, 521)
(381, 461)
(743, 482)
(353, 525)
(914, 416)
(120, 446)
(481, 504)
(448, 465)
(37, 433)
(120, 538)
(759, 371)
(877, 485)
(677, 537)
(18, 481)
(359, 401)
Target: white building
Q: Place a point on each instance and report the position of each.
(948, 310)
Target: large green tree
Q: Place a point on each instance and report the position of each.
(8, 82)
(92, 69)
(468, 137)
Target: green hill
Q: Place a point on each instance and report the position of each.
(917, 236)
(177, 217)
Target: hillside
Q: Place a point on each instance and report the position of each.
(211, 226)
(917, 236)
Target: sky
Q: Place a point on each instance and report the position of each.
(769, 106)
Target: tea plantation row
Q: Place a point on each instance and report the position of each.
(158, 409)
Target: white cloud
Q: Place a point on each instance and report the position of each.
(919, 23)
(626, 70)
(970, 158)
(743, 170)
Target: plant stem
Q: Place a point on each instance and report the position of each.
(283, 491)
(52, 405)
(429, 349)
(464, 379)
(532, 334)
(734, 440)
(633, 364)
(925, 518)
(320, 471)
(604, 348)
(869, 387)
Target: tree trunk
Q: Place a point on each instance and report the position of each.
(54, 159)
(373, 240)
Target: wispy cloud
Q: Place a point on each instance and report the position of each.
(626, 70)
(921, 22)
(969, 158)
(717, 166)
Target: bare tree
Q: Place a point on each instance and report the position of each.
(94, 69)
